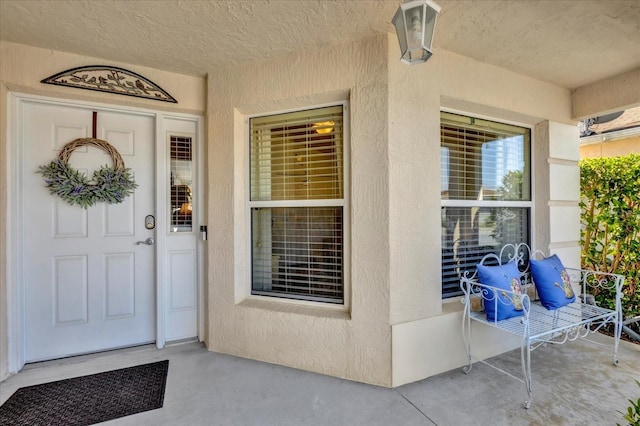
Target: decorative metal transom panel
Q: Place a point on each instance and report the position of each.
(109, 79)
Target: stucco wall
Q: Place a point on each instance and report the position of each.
(352, 343)
(557, 183)
(395, 211)
(4, 332)
(414, 194)
(395, 194)
(21, 69)
(416, 95)
(426, 335)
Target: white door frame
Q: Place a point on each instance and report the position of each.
(15, 303)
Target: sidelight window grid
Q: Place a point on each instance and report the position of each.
(181, 183)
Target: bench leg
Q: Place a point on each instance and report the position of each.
(525, 359)
(466, 337)
(617, 332)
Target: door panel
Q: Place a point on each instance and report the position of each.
(181, 258)
(88, 286)
(70, 289)
(119, 301)
(182, 279)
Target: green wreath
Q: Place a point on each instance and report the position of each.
(108, 184)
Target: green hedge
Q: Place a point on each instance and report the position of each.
(610, 215)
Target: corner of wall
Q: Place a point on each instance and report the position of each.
(557, 179)
(414, 189)
(357, 344)
(541, 181)
(4, 324)
(431, 346)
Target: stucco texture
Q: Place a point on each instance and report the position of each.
(395, 205)
(355, 342)
(425, 329)
(416, 95)
(22, 67)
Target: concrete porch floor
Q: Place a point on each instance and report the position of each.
(573, 384)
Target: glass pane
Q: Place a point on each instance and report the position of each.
(430, 23)
(297, 252)
(181, 185)
(469, 233)
(298, 155)
(484, 160)
(413, 18)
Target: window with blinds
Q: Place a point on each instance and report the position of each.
(297, 204)
(485, 192)
(181, 183)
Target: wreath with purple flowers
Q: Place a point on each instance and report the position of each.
(108, 184)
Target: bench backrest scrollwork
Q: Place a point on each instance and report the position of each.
(589, 283)
(520, 253)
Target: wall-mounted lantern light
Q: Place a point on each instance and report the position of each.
(415, 23)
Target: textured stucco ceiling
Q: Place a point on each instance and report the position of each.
(569, 43)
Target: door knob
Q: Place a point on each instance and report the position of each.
(149, 241)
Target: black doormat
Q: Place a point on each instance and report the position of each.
(90, 399)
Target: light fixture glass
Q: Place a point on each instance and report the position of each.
(415, 23)
(324, 127)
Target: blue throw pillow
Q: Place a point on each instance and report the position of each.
(506, 277)
(552, 282)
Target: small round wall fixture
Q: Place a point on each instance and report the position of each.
(109, 184)
(415, 23)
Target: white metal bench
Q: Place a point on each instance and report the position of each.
(539, 326)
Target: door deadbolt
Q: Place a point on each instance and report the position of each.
(150, 222)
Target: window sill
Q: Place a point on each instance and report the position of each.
(452, 305)
(291, 307)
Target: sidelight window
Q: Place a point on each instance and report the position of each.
(181, 185)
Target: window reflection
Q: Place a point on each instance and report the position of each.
(470, 233)
(485, 190)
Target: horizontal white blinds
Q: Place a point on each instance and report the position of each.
(485, 170)
(298, 252)
(297, 202)
(470, 233)
(298, 155)
(483, 160)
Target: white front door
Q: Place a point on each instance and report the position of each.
(87, 285)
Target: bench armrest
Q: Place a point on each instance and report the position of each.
(593, 282)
